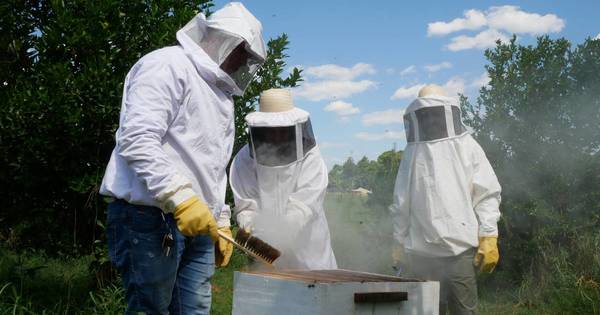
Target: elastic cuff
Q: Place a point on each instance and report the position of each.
(223, 222)
(177, 198)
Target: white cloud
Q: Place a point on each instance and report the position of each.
(513, 20)
(474, 19)
(387, 135)
(330, 81)
(480, 81)
(342, 109)
(485, 39)
(335, 72)
(498, 22)
(390, 116)
(438, 67)
(597, 36)
(454, 86)
(407, 92)
(331, 145)
(331, 89)
(408, 70)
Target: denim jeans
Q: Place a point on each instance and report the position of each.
(155, 283)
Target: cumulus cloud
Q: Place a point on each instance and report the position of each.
(331, 89)
(597, 36)
(438, 67)
(329, 82)
(385, 117)
(454, 86)
(480, 81)
(408, 70)
(331, 145)
(335, 72)
(342, 109)
(497, 22)
(407, 92)
(513, 20)
(474, 19)
(373, 136)
(485, 39)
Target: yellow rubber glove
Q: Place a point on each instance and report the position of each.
(397, 255)
(487, 255)
(223, 249)
(194, 217)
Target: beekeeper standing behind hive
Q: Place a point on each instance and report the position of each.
(167, 173)
(446, 202)
(279, 181)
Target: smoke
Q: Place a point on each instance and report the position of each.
(361, 234)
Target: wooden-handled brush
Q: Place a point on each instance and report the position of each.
(253, 246)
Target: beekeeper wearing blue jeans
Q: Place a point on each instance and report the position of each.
(167, 172)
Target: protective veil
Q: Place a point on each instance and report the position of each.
(176, 128)
(446, 192)
(230, 33)
(279, 181)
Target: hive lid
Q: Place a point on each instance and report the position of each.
(329, 276)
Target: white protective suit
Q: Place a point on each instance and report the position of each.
(279, 184)
(446, 192)
(176, 128)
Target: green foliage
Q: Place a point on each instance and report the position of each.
(378, 176)
(63, 65)
(538, 123)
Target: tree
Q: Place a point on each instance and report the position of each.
(537, 120)
(63, 65)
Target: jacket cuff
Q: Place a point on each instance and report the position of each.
(488, 230)
(178, 191)
(224, 219)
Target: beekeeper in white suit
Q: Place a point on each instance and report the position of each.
(446, 201)
(167, 173)
(279, 181)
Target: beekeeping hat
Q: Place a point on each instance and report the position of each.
(275, 100)
(232, 38)
(433, 117)
(432, 89)
(279, 133)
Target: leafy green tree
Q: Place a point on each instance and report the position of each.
(63, 65)
(537, 120)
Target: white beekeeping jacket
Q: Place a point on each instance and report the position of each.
(446, 193)
(279, 182)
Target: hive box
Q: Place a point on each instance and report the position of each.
(331, 292)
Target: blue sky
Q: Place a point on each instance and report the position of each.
(364, 61)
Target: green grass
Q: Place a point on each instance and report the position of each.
(32, 283)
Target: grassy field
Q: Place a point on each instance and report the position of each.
(32, 283)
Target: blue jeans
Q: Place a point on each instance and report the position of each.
(155, 283)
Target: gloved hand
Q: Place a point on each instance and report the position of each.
(398, 259)
(193, 217)
(296, 217)
(223, 249)
(487, 255)
(397, 254)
